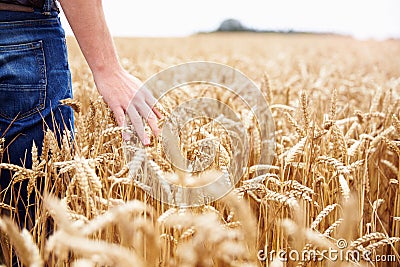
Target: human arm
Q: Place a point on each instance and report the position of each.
(118, 87)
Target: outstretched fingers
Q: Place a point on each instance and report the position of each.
(137, 123)
(152, 101)
(150, 116)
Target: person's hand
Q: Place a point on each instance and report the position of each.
(121, 91)
(124, 93)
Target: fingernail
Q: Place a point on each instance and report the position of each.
(146, 141)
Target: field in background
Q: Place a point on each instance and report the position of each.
(334, 179)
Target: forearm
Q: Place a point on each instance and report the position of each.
(87, 20)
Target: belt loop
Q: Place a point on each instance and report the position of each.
(47, 7)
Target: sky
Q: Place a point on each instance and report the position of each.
(377, 19)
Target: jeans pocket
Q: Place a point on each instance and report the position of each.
(22, 80)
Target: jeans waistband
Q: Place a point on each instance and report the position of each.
(8, 18)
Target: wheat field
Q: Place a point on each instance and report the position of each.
(332, 184)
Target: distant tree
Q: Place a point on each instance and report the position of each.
(231, 25)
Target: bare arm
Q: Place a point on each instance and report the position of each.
(86, 18)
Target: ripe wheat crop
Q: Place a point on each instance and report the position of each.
(333, 182)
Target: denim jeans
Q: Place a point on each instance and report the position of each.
(34, 77)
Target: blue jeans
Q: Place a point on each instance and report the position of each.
(34, 77)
